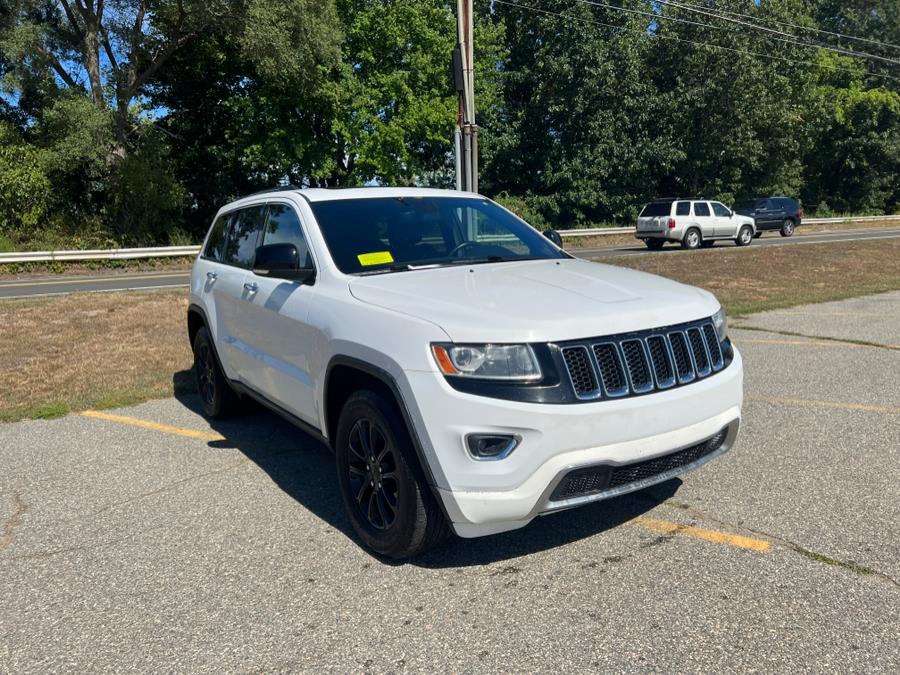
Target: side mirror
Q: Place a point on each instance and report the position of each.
(553, 236)
(281, 261)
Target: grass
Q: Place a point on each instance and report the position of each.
(97, 350)
(103, 350)
(774, 277)
(11, 271)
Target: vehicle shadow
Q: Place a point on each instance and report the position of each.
(303, 468)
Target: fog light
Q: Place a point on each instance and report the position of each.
(491, 446)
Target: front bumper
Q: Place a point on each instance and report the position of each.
(484, 497)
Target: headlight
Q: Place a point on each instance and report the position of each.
(488, 362)
(721, 324)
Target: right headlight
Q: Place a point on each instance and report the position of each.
(720, 322)
(488, 362)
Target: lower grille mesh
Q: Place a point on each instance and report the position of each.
(596, 479)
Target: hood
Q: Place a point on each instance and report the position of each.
(535, 301)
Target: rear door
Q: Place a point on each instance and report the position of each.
(704, 219)
(654, 217)
(232, 289)
(274, 326)
(724, 223)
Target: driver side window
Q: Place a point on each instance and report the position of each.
(720, 210)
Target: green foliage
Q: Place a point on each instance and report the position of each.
(24, 186)
(520, 206)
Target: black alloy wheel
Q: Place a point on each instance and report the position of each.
(383, 487)
(372, 465)
(216, 395)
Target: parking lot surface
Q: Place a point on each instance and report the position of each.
(147, 539)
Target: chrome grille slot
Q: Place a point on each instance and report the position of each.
(658, 348)
(637, 366)
(581, 372)
(684, 364)
(712, 344)
(699, 352)
(637, 363)
(610, 367)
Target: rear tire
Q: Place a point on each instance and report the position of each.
(692, 239)
(217, 397)
(745, 236)
(390, 506)
(787, 227)
(654, 244)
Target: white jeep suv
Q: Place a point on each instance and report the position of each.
(467, 372)
(692, 223)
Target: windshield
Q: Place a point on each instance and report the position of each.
(654, 209)
(393, 234)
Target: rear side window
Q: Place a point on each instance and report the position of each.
(654, 209)
(283, 227)
(786, 204)
(701, 209)
(683, 209)
(215, 242)
(242, 236)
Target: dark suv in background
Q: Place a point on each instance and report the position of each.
(772, 213)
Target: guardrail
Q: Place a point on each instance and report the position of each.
(100, 254)
(184, 251)
(601, 231)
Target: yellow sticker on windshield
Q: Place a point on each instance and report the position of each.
(379, 258)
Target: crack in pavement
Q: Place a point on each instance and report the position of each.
(844, 341)
(784, 543)
(9, 527)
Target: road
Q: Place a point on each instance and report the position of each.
(147, 539)
(112, 281)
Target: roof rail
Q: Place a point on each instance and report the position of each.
(279, 188)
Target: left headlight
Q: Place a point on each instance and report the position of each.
(488, 362)
(720, 322)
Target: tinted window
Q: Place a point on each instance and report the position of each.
(683, 209)
(387, 234)
(745, 205)
(282, 226)
(720, 210)
(215, 242)
(786, 204)
(654, 209)
(242, 236)
(701, 209)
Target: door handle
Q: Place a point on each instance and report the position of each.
(212, 276)
(251, 287)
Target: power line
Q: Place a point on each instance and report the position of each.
(790, 39)
(692, 42)
(748, 24)
(810, 28)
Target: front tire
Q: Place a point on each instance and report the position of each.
(745, 236)
(387, 499)
(787, 228)
(216, 396)
(692, 239)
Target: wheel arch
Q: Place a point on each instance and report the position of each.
(196, 319)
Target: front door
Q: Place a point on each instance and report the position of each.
(274, 328)
(725, 224)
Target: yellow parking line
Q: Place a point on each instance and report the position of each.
(812, 403)
(92, 280)
(800, 343)
(736, 540)
(155, 426)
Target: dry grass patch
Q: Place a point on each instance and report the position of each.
(91, 350)
(772, 277)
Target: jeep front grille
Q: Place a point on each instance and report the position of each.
(642, 363)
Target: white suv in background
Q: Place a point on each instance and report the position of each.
(692, 223)
(468, 373)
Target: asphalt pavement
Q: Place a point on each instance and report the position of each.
(146, 539)
(114, 281)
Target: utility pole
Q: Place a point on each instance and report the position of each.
(466, 133)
